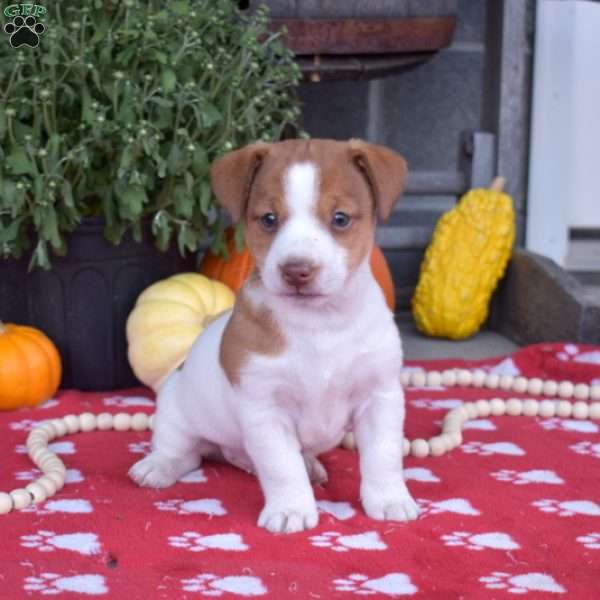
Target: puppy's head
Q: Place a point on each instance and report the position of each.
(309, 208)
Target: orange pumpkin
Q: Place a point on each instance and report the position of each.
(30, 367)
(235, 270)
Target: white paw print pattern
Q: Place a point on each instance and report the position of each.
(208, 584)
(48, 541)
(494, 540)
(207, 506)
(53, 583)
(125, 401)
(49, 404)
(369, 540)
(483, 449)
(458, 506)
(56, 447)
(586, 447)
(441, 404)
(506, 367)
(580, 426)
(69, 506)
(339, 510)
(196, 476)
(24, 425)
(522, 584)
(140, 447)
(420, 474)
(392, 584)
(196, 542)
(71, 476)
(480, 424)
(527, 477)
(568, 508)
(591, 540)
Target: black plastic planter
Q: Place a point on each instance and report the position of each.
(83, 302)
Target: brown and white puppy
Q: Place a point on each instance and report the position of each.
(310, 349)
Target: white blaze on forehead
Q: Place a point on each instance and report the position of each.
(300, 186)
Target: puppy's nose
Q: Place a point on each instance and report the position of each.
(298, 272)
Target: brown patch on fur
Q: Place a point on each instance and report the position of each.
(250, 330)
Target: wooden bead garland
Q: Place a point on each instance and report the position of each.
(54, 470)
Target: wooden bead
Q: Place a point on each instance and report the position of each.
(449, 377)
(506, 382)
(48, 429)
(565, 389)
(464, 378)
(418, 379)
(514, 407)
(581, 410)
(348, 441)
(483, 408)
(535, 386)
(151, 422)
(547, 409)
(6, 503)
(38, 435)
(471, 410)
(48, 484)
(497, 406)
(581, 391)
(531, 407)
(37, 491)
(21, 498)
(48, 461)
(452, 423)
(405, 447)
(550, 388)
(104, 421)
(59, 427)
(39, 454)
(87, 421)
(520, 385)
(72, 423)
(419, 448)
(139, 421)
(564, 409)
(405, 378)
(453, 439)
(57, 478)
(492, 380)
(122, 422)
(434, 379)
(595, 392)
(595, 410)
(479, 376)
(437, 445)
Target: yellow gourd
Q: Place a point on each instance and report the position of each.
(468, 254)
(166, 319)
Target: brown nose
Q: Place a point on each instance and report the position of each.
(298, 272)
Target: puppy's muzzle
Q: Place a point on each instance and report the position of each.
(298, 273)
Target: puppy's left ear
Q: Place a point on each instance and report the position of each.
(385, 171)
(231, 177)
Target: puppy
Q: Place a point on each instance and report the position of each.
(310, 349)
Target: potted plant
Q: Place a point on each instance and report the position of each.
(107, 131)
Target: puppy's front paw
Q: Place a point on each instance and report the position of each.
(279, 518)
(398, 506)
(154, 471)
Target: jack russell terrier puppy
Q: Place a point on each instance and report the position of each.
(310, 349)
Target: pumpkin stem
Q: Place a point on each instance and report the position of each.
(2, 327)
(498, 184)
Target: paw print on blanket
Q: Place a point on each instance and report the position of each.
(25, 424)
(458, 506)
(126, 401)
(437, 404)
(369, 540)
(48, 541)
(207, 506)
(568, 508)
(522, 584)
(56, 447)
(140, 447)
(67, 505)
(586, 447)
(339, 510)
(24, 32)
(579, 426)
(494, 540)
(209, 584)
(527, 477)
(71, 476)
(591, 540)
(196, 542)
(392, 584)
(53, 583)
(483, 449)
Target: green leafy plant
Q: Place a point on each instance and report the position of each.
(119, 112)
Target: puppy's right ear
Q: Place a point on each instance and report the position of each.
(232, 175)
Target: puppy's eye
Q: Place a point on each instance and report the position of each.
(340, 220)
(269, 221)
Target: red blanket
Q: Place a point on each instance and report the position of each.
(514, 510)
